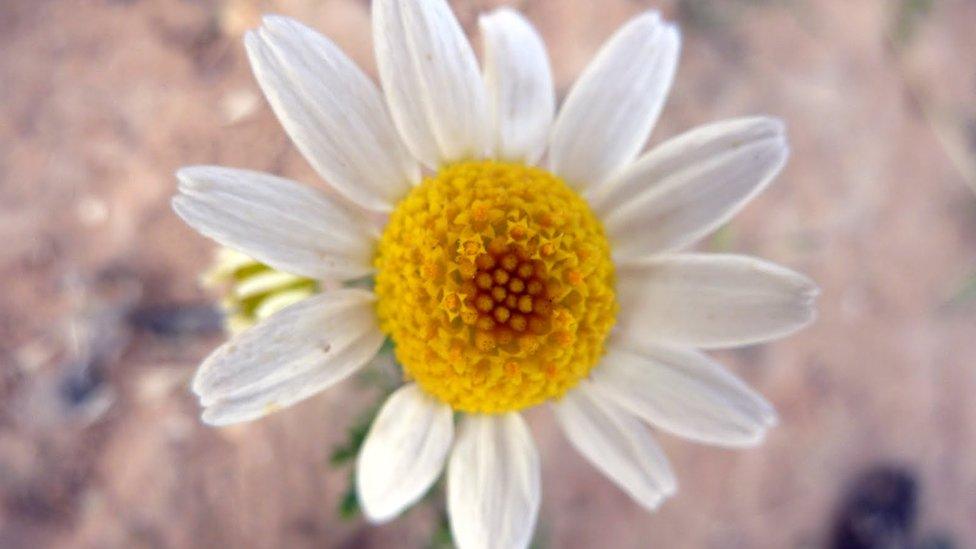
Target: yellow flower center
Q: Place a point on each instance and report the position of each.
(494, 281)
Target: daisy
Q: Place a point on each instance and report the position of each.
(525, 258)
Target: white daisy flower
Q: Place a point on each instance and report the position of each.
(504, 280)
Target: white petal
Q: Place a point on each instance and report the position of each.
(493, 487)
(617, 444)
(265, 282)
(431, 81)
(610, 111)
(521, 97)
(403, 453)
(274, 303)
(711, 300)
(689, 186)
(291, 227)
(297, 352)
(332, 111)
(684, 392)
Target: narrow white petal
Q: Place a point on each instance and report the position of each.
(689, 186)
(493, 487)
(617, 444)
(265, 282)
(431, 81)
(297, 352)
(521, 97)
(332, 111)
(711, 300)
(279, 300)
(610, 111)
(297, 339)
(684, 392)
(291, 227)
(403, 453)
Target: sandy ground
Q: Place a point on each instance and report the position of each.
(102, 320)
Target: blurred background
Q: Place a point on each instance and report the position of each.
(103, 318)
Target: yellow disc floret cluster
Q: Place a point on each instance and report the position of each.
(494, 281)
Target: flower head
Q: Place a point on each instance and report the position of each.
(503, 282)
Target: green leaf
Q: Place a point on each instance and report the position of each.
(441, 537)
(909, 16)
(349, 504)
(347, 452)
(355, 437)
